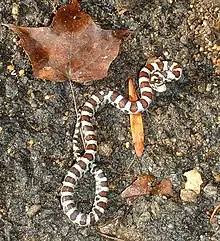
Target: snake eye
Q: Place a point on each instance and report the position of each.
(157, 82)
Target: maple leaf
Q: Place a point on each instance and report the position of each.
(72, 47)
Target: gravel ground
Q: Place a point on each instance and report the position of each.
(181, 127)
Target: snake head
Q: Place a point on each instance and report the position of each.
(159, 79)
(157, 82)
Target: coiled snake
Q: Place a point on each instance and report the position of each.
(152, 76)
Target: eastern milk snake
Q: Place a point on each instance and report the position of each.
(153, 75)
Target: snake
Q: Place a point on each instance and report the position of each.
(153, 76)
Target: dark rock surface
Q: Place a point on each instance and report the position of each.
(37, 122)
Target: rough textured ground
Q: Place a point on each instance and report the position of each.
(36, 132)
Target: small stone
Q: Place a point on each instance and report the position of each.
(127, 144)
(59, 162)
(121, 137)
(31, 142)
(210, 190)
(208, 87)
(205, 23)
(201, 49)
(11, 88)
(21, 72)
(171, 226)
(201, 88)
(194, 181)
(216, 171)
(187, 195)
(49, 97)
(217, 26)
(158, 111)
(10, 68)
(173, 140)
(66, 116)
(179, 154)
(217, 177)
(9, 151)
(15, 10)
(166, 53)
(105, 149)
(155, 208)
(33, 210)
(215, 46)
(184, 39)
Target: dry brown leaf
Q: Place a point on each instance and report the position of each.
(72, 47)
(136, 122)
(146, 185)
(164, 188)
(141, 186)
(110, 227)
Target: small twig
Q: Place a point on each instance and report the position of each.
(131, 163)
(110, 237)
(73, 93)
(214, 212)
(76, 110)
(126, 176)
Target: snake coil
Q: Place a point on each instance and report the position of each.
(152, 76)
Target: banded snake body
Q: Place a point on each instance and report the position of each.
(153, 75)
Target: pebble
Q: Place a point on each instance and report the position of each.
(21, 72)
(121, 137)
(210, 190)
(187, 195)
(10, 68)
(31, 142)
(11, 89)
(184, 40)
(208, 87)
(127, 144)
(33, 210)
(217, 177)
(15, 10)
(179, 154)
(105, 149)
(155, 208)
(201, 88)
